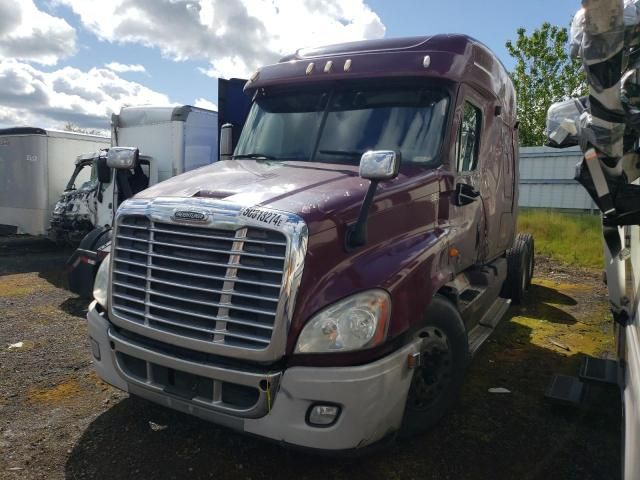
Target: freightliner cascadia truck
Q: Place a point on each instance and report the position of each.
(326, 283)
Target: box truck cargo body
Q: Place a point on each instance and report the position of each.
(34, 169)
(179, 139)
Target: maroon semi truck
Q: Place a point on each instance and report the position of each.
(326, 286)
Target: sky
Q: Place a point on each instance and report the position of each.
(79, 61)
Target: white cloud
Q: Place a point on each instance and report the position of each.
(233, 36)
(204, 103)
(123, 67)
(50, 99)
(27, 33)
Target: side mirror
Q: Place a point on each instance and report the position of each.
(122, 158)
(226, 141)
(104, 172)
(379, 165)
(375, 165)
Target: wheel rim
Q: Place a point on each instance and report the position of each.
(433, 376)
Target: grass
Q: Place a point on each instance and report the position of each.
(573, 238)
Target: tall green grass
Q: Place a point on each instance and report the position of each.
(573, 238)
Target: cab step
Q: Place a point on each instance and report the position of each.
(495, 313)
(477, 336)
(599, 370)
(481, 332)
(565, 390)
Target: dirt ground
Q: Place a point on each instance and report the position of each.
(57, 420)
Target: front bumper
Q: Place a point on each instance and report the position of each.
(371, 397)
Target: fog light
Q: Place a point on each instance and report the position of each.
(95, 349)
(323, 415)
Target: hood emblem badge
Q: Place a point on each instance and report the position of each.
(191, 216)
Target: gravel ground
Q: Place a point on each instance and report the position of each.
(57, 420)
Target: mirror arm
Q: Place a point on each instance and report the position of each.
(356, 234)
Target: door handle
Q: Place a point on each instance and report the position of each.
(465, 194)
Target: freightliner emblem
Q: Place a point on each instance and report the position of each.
(190, 216)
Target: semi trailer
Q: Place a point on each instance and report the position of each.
(328, 283)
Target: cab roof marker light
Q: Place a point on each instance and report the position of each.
(426, 61)
(309, 68)
(347, 65)
(255, 76)
(327, 66)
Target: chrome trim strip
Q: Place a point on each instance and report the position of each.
(224, 216)
(200, 249)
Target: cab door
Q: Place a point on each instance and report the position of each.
(467, 217)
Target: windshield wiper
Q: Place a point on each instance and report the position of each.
(255, 156)
(346, 153)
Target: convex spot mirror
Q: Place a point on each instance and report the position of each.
(379, 164)
(123, 158)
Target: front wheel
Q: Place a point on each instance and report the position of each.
(436, 382)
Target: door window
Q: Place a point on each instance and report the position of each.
(468, 138)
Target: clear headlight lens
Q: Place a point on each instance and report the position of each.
(354, 323)
(101, 283)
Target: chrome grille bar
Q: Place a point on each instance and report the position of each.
(211, 285)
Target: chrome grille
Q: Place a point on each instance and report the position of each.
(209, 284)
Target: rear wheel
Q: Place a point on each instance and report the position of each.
(437, 380)
(520, 267)
(532, 259)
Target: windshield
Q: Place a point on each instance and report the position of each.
(89, 184)
(339, 125)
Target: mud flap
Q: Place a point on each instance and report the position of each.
(82, 266)
(81, 270)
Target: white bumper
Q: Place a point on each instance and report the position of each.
(371, 397)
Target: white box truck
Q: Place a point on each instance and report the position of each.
(34, 166)
(171, 140)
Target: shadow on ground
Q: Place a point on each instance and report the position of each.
(549, 305)
(48, 262)
(487, 436)
(75, 306)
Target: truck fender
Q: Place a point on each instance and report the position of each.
(82, 266)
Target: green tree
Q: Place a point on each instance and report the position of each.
(544, 73)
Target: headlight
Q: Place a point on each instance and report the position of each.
(101, 283)
(356, 322)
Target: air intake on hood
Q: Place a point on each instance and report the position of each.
(220, 195)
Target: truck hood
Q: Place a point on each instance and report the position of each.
(322, 194)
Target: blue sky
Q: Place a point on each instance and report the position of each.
(182, 45)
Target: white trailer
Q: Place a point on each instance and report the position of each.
(34, 169)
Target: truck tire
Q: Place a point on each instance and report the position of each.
(520, 267)
(527, 238)
(436, 382)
